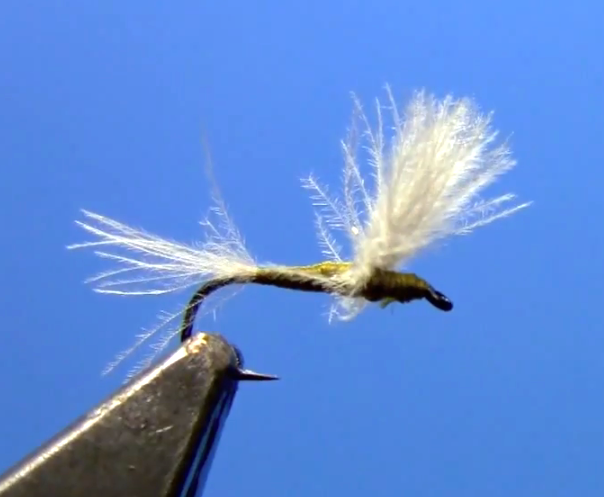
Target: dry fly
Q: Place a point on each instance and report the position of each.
(427, 169)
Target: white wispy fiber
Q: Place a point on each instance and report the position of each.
(146, 264)
(427, 172)
(162, 265)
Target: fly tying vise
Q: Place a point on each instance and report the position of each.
(156, 436)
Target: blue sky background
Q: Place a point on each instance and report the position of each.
(103, 107)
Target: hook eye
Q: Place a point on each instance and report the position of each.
(439, 300)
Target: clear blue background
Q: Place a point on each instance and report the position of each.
(103, 106)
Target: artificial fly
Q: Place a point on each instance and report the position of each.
(426, 183)
(325, 277)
